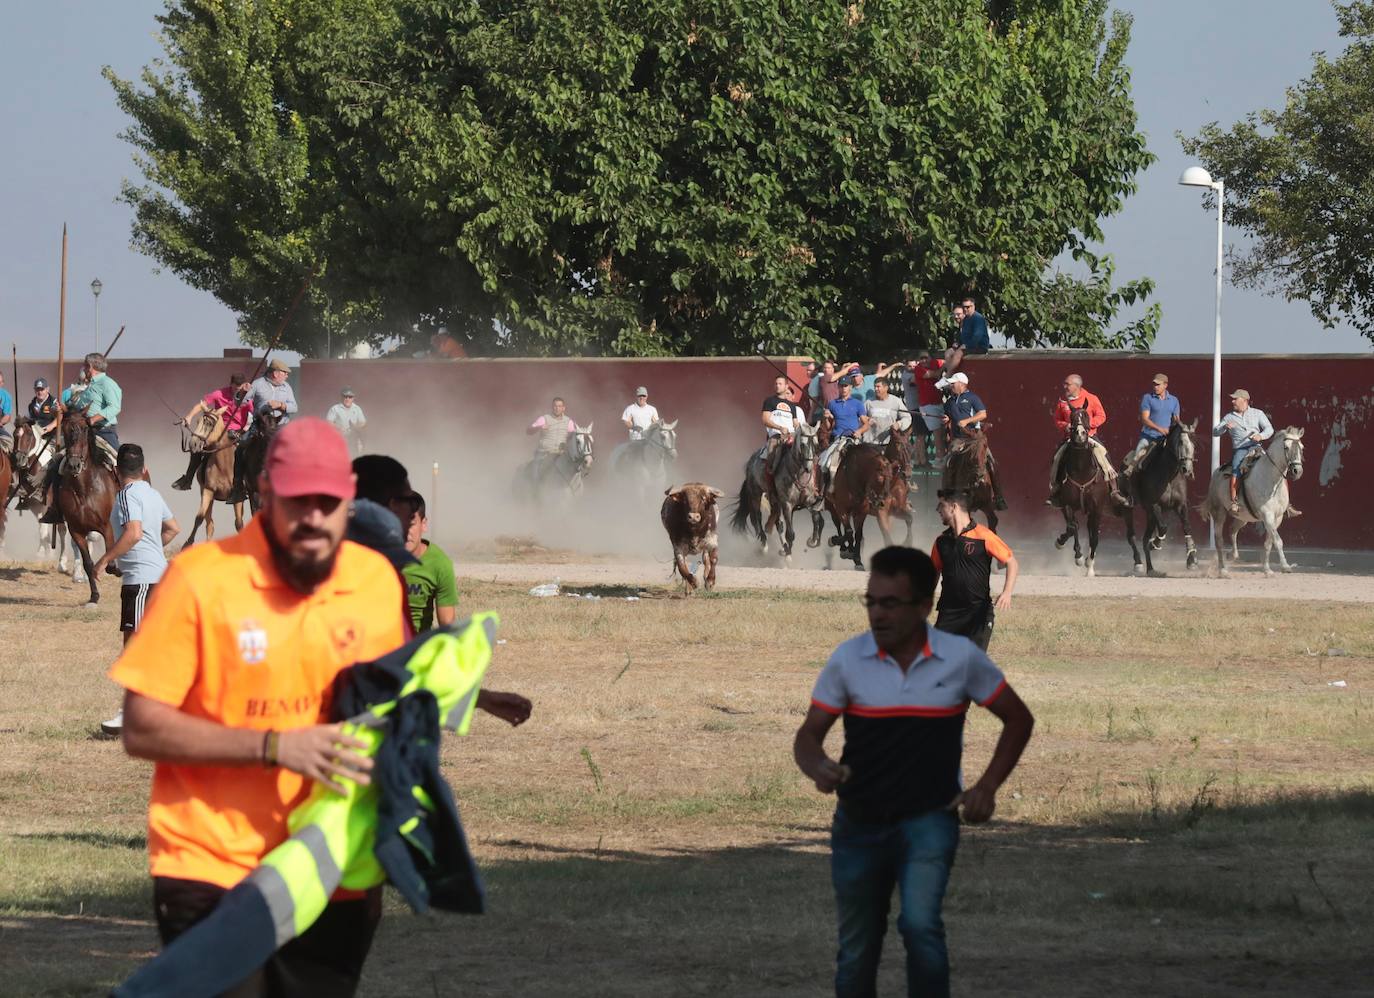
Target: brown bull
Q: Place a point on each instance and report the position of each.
(690, 516)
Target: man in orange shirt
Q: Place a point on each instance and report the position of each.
(226, 685)
(1078, 397)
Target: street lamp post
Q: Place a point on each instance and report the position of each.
(1196, 176)
(96, 288)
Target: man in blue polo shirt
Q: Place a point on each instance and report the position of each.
(1158, 411)
(851, 420)
(903, 689)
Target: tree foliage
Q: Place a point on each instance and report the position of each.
(1300, 181)
(637, 178)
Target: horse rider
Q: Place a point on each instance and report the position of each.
(42, 408)
(347, 417)
(780, 415)
(885, 411)
(232, 404)
(1158, 411)
(851, 421)
(1077, 397)
(639, 415)
(6, 420)
(271, 392)
(1249, 427)
(553, 429)
(964, 416)
(102, 399)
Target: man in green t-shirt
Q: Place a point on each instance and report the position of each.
(431, 591)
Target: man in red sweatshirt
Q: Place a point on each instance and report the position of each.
(1078, 397)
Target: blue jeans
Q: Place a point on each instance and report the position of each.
(107, 433)
(866, 861)
(1238, 455)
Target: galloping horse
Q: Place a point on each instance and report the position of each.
(862, 487)
(796, 486)
(646, 463)
(1160, 484)
(966, 471)
(1084, 489)
(252, 456)
(87, 493)
(28, 466)
(1262, 497)
(215, 474)
(561, 478)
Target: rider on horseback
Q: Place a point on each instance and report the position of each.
(850, 423)
(639, 414)
(964, 415)
(234, 409)
(553, 429)
(885, 411)
(1158, 411)
(1078, 397)
(102, 400)
(6, 420)
(1248, 427)
(779, 415)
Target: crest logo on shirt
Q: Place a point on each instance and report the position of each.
(252, 643)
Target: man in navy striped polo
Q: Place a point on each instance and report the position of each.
(903, 689)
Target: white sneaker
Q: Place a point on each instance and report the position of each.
(113, 726)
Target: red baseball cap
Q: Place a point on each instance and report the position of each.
(309, 457)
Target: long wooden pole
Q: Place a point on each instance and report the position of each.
(62, 324)
(282, 328)
(14, 359)
(106, 354)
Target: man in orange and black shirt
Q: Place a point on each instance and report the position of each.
(963, 554)
(228, 686)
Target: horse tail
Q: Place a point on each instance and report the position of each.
(739, 509)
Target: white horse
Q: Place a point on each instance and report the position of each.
(645, 464)
(557, 480)
(1262, 498)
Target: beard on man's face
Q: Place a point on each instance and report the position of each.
(302, 573)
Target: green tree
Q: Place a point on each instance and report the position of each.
(1300, 182)
(657, 177)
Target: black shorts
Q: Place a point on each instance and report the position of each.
(974, 623)
(325, 961)
(133, 603)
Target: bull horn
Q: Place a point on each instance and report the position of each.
(670, 490)
(716, 492)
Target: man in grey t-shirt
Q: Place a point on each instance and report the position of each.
(885, 410)
(137, 551)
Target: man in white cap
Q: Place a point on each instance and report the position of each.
(639, 414)
(964, 415)
(1248, 427)
(347, 417)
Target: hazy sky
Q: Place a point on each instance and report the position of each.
(1193, 61)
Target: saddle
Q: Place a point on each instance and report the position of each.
(1251, 456)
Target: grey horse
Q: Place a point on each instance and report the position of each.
(760, 508)
(646, 464)
(559, 480)
(1159, 485)
(1262, 498)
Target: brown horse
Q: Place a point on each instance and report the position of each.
(1084, 489)
(87, 493)
(215, 474)
(862, 488)
(27, 485)
(967, 471)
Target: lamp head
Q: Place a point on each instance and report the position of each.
(96, 287)
(1196, 176)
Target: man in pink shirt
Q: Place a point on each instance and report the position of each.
(231, 402)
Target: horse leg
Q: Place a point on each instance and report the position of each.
(83, 545)
(1273, 540)
(1219, 540)
(205, 500)
(1236, 524)
(857, 544)
(238, 517)
(1129, 517)
(1094, 522)
(885, 524)
(1069, 528)
(1187, 534)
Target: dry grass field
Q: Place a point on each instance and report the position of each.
(1193, 816)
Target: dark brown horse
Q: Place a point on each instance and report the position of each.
(861, 488)
(253, 454)
(6, 476)
(27, 469)
(215, 474)
(967, 470)
(1083, 489)
(87, 493)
